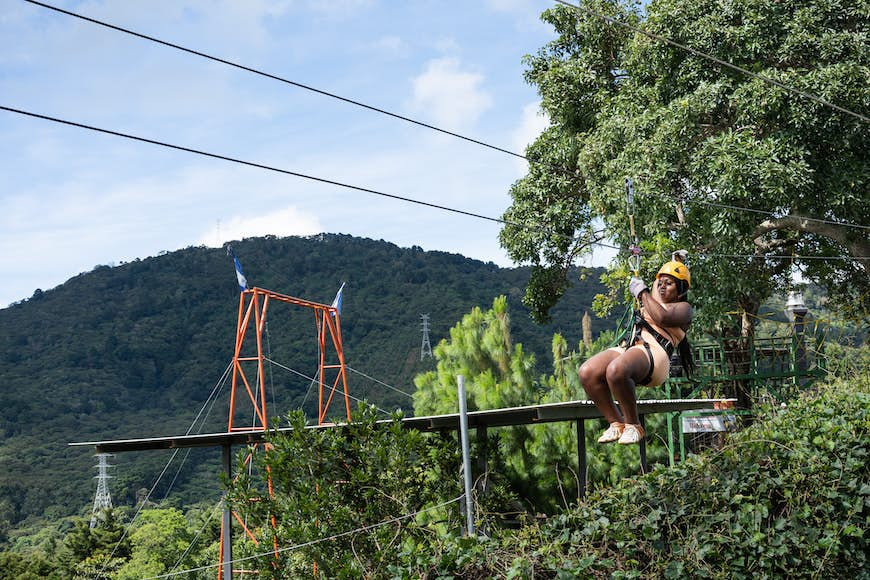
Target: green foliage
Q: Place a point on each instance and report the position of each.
(331, 483)
(134, 350)
(32, 566)
(498, 373)
(845, 361)
(690, 132)
(786, 498)
(159, 538)
(535, 464)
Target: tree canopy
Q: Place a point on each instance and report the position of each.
(755, 180)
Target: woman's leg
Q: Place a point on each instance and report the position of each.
(621, 374)
(593, 377)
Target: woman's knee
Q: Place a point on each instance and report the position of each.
(590, 374)
(617, 372)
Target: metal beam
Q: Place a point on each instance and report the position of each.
(568, 411)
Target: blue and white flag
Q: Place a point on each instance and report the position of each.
(243, 283)
(337, 302)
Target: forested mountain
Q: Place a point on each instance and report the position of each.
(135, 350)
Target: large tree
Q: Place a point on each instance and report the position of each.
(741, 172)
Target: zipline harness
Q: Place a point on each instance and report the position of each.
(639, 323)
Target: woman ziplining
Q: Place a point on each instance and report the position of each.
(661, 319)
(660, 326)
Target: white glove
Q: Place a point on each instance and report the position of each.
(636, 286)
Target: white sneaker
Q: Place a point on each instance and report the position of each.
(613, 433)
(632, 434)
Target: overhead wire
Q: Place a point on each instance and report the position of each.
(330, 387)
(214, 511)
(606, 18)
(281, 171)
(409, 395)
(719, 61)
(775, 215)
(211, 398)
(253, 164)
(330, 181)
(312, 542)
(136, 515)
(277, 78)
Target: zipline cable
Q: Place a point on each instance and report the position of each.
(312, 379)
(353, 187)
(255, 165)
(136, 515)
(280, 79)
(214, 511)
(802, 93)
(560, 168)
(409, 395)
(527, 158)
(211, 398)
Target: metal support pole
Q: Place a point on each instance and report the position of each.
(227, 536)
(482, 459)
(466, 459)
(581, 457)
(644, 466)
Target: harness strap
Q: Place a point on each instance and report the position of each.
(641, 324)
(652, 364)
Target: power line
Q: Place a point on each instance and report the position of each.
(312, 542)
(559, 168)
(802, 93)
(333, 182)
(280, 170)
(282, 79)
(775, 215)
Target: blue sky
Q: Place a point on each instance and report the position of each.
(72, 199)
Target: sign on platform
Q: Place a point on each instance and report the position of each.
(708, 423)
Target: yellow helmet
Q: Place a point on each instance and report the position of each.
(676, 269)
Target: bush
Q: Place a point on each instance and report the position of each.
(787, 497)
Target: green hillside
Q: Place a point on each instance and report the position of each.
(135, 350)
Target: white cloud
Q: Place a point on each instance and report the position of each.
(390, 45)
(289, 221)
(532, 123)
(450, 97)
(338, 8)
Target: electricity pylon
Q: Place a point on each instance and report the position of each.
(102, 500)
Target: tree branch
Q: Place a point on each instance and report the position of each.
(857, 246)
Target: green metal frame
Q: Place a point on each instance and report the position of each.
(778, 369)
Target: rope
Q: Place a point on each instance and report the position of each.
(635, 248)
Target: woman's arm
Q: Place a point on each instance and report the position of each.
(674, 314)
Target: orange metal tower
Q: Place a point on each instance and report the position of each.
(332, 377)
(249, 379)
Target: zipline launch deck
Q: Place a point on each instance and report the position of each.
(576, 411)
(529, 415)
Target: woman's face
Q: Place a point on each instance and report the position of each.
(668, 290)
